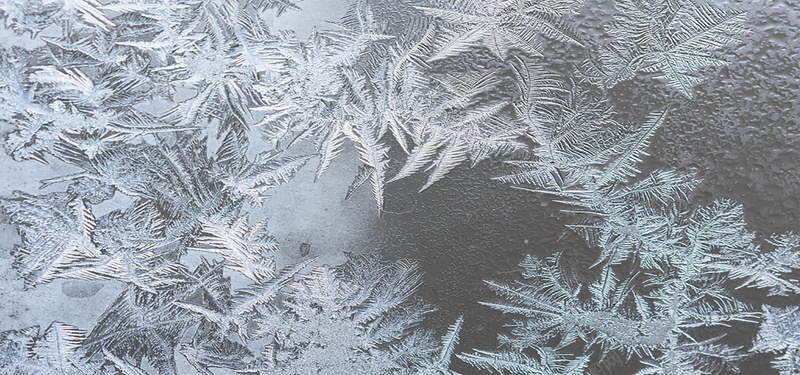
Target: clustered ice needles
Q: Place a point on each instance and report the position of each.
(424, 86)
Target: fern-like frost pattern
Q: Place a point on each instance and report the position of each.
(132, 94)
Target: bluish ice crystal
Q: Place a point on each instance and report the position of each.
(177, 119)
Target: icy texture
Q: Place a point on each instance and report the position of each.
(154, 107)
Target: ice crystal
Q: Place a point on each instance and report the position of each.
(128, 93)
(779, 333)
(671, 39)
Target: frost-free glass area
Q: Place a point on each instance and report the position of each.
(392, 187)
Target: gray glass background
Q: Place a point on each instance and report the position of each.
(740, 133)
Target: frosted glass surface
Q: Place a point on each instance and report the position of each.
(375, 186)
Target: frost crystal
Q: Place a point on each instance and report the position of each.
(161, 101)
